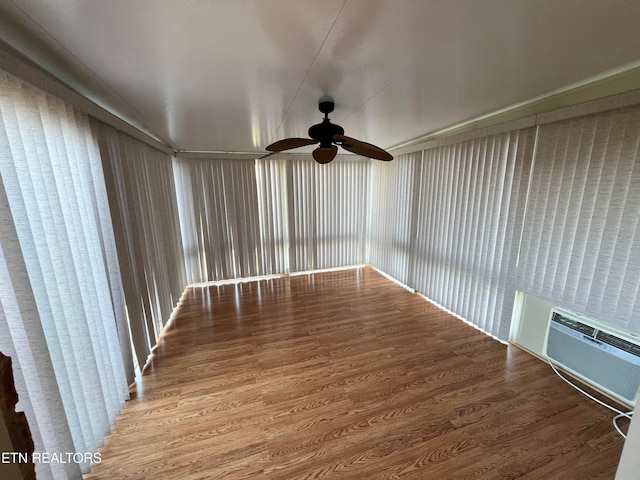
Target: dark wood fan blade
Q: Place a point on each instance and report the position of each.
(325, 155)
(289, 143)
(267, 155)
(362, 148)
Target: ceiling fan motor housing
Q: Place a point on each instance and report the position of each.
(324, 132)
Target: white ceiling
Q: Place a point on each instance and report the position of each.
(236, 75)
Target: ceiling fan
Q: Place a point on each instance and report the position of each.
(329, 135)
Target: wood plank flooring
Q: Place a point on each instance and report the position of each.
(347, 375)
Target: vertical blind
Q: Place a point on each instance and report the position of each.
(327, 213)
(272, 202)
(581, 247)
(472, 200)
(243, 218)
(393, 189)
(220, 219)
(61, 304)
(142, 196)
(447, 222)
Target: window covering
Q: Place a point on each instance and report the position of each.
(472, 201)
(220, 219)
(243, 218)
(327, 212)
(447, 222)
(61, 299)
(581, 247)
(142, 196)
(393, 204)
(274, 226)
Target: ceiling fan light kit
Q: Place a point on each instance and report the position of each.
(328, 136)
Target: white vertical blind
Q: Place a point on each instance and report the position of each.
(61, 299)
(581, 247)
(301, 214)
(22, 338)
(447, 222)
(243, 218)
(393, 189)
(220, 218)
(272, 202)
(471, 207)
(144, 208)
(327, 212)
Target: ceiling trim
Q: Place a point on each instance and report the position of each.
(188, 155)
(21, 67)
(527, 122)
(185, 154)
(613, 102)
(613, 89)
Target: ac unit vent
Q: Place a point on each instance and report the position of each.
(618, 343)
(573, 324)
(607, 360)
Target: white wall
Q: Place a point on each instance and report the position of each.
(530, 322)
(629, 466)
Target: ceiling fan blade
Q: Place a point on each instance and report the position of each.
(289, 143)
(362, 148)
(267, 155)
(325, 155)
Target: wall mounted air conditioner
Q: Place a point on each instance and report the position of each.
(592, 352)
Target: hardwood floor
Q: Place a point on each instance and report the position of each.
(347, 375)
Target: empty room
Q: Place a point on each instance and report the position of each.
(342, 239)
